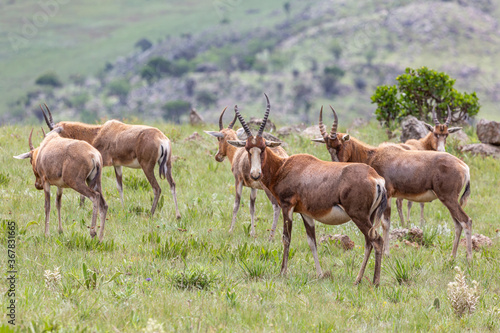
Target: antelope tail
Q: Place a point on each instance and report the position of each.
(376, 216)
(465, 195)
(164, 157)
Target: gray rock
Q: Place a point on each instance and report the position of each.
(342, 241)
(482, 149)
(312, 132)
(255, 123)
(488, 132)
(269, 137)
(412, 128)
(478, 242)
(195, 118)
(287, 130)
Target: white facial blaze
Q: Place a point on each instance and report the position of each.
(255, 170)
(440, 145)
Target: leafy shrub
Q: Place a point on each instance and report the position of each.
(143, 44)
(206, 98)
(49, 79)
(120, 88)
(175, 109)
(417, 92)
(330, 79)
(78, 101)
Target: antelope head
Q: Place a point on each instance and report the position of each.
(222, 136)
(32, 155)
(255, 145)
(334, 141)
(440, 131)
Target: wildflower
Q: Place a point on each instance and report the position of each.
(153, 327)
(462, 297)
(149, 279)
(52, 278)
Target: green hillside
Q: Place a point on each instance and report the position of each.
(303, 54)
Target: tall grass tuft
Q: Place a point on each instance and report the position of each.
(193, 278)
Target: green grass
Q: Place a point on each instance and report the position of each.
(191, 275)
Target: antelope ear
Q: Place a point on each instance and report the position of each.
(272, 144)
(318, 140)
(346, 137)
(454, 129)
(429, 127)
(214, 133)
(23, 156)
(237, 143)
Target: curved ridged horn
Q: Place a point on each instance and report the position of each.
(266, 115)
(221, 126)
(242, 121)
(43, 131)
(322, 127)
(448, 120)
(333, 133)
(231, 124)
(49, 120)
(29, 141)
(434, 117)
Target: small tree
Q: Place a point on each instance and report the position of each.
(49, 79)
(330, 79)
(175, 109)
(143, 44)
(417, 92)
(119, 88)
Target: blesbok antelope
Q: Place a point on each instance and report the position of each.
(240, 166)
(122, 145)
(415, 175)
(68, 163)
(435, 140)
(332, 193)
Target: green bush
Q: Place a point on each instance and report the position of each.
(206, 98)
(175, 109)
(143, 44)
(120, 88)
(417, 92)
(49, 79)
(330, 79)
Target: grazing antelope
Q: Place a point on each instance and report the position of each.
(132, 146)
(435, 140)
(68, 163)
(240, 166)
(332, 193)
(419, 176)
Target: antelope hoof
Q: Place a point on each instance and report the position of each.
(325, 275)
(178, 216)
(92, 233)
(60, 231)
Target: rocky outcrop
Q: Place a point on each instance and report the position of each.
(412, 128)
(478, 242)
(482, 149)
(488, 132)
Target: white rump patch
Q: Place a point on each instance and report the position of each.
(336, 216)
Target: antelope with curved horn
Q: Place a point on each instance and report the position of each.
(240, 166)
(332, 193)
(435, 140)
(68, 163)
(415, 175)
(122, 145)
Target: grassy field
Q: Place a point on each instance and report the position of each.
(191, 275)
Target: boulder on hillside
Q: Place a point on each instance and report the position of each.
(478, 242)
(255, 123)
(269, 137)
(488, 132)
(195, 118)
(482, 149)
(412, 128)
(311, 132)
(287, 130)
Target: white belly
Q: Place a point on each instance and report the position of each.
(336, 216)
(134, 164)
(423, 197)
(57, 182)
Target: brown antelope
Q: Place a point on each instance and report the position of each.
(419, 176)
(240, 166)
(68, 163)
(332, 193)
(435, 140)
(132, 146)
